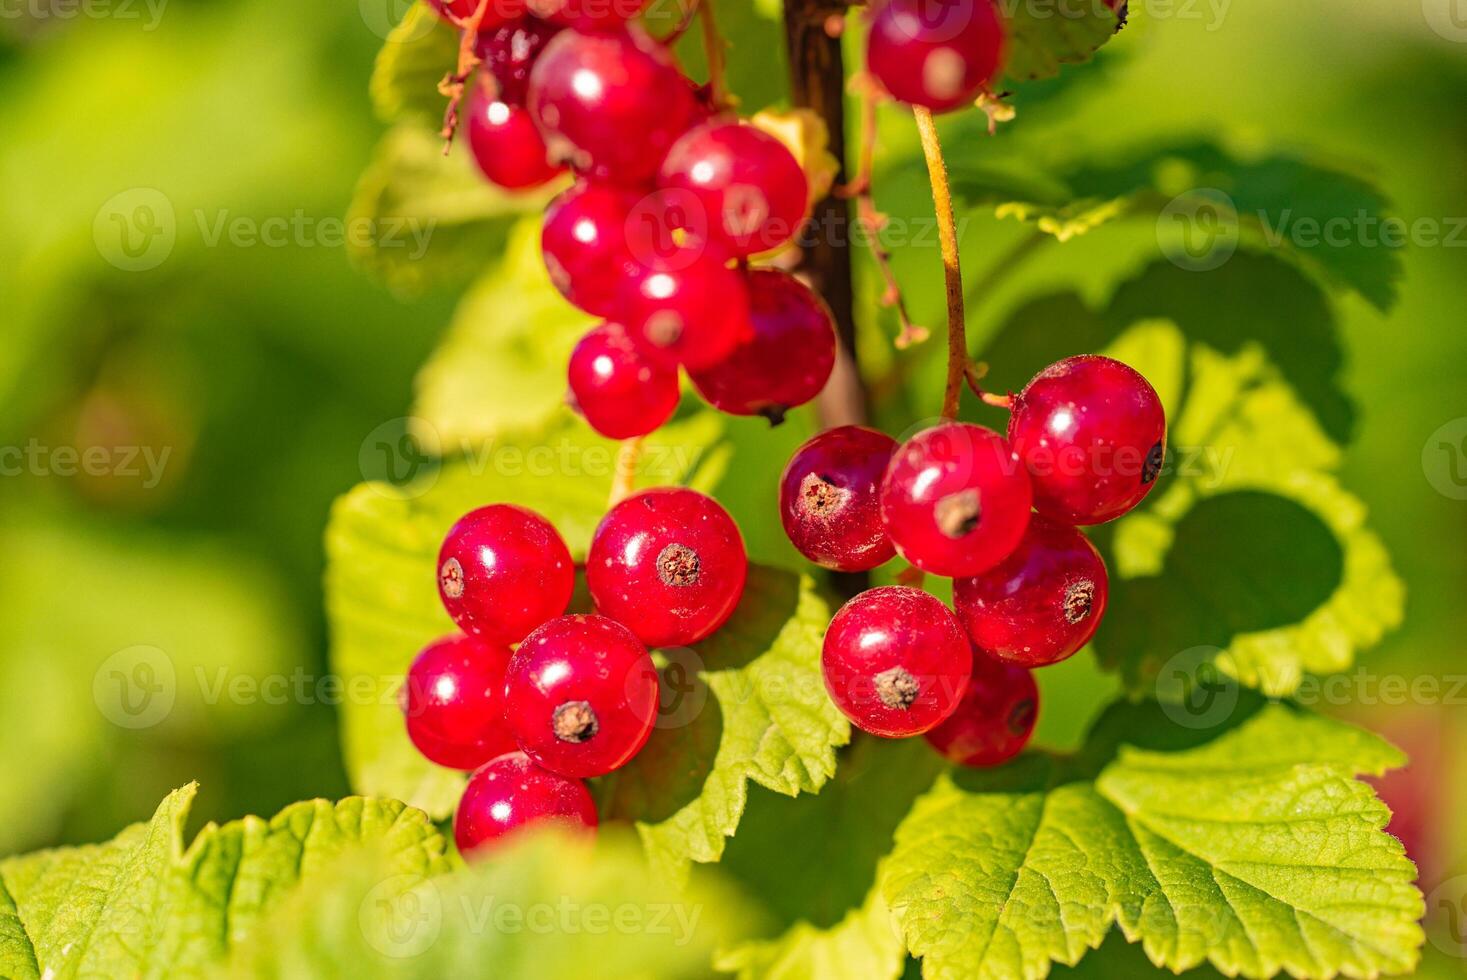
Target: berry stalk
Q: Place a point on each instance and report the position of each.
(947, 233)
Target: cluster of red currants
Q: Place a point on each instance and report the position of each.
(673, 196)
(1086, 439)
(533, 700)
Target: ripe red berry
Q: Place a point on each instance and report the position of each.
(830, 499)
(497, 12)
(749, 187)
(582, 695)
(995, 718)
(588, 15)
(502, 571)
(895, 661)
(786, 358)
(938, 55)
(505, 143)
(453, 701)
(511, 792)
(1041, 603)
(619, 391)
(1092, 433)
(612, 104)
(668, 563)
(509, 52)
(955, 500)
(688, 308)
(584, 241)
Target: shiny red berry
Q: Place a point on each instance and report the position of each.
(688, 308)
(618, 390)
(935, 53)
(995, 718)
(895, 661)
(749, 187)
(511, 792)
(612, 104)
(582, 695)
(955, 500)
(506, 145)
(509, 52)
(453, 701)
(668, 563)
(502, 571)
(784, 361)
(830, 499)
(1041, 603)
(1092, 433)
(496, 12)
(584, 241)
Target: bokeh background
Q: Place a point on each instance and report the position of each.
(176, 428)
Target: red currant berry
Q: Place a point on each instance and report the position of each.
(453, 700)
(895, 661)
(610, 103)
(509, 52)
(995, 717)
(584, 241)
(619, 391)
(502, 571)
(830, 499)
(955, 500)
(688, 308)
(938, 55)
(511, 792)
(496, 12)
(786, 359)
(749, 186)
(588, 15)
(1041, 603)
(669, 563)
(1092, 433)
(582, 694)
(505, 143)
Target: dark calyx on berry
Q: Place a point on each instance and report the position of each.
(678, 565)
(452, 578)
(958, 514)
(1079, 601)
(896, 688)
(575, 721)
(819, 497)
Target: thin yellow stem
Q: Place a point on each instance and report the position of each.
(623, 481)
(947, 234)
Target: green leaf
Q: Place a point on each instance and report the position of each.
(1308, 211)
(1251, 847)
(864, 944)
(143, 905)
(746, 704)
(419, 52)
(501, 366)
(419, 218)
(1043, 38)
(546, 906)
(1244, 455)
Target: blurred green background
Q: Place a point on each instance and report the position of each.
(225, 391)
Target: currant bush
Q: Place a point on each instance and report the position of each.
(994, 718)
(511, 792)
(669, 564)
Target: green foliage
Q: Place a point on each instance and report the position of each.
(1042, 38)
(1202, 845)
(145, 905)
